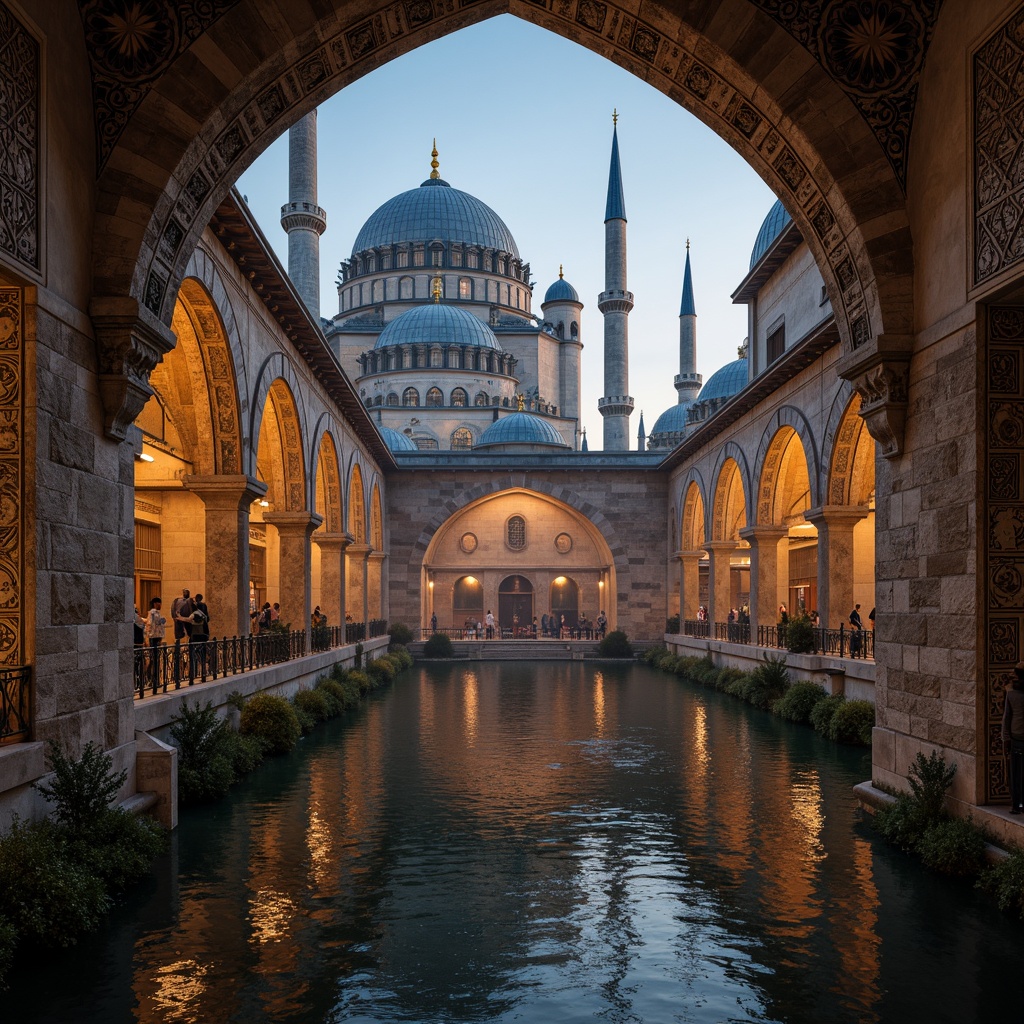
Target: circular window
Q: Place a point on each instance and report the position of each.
(468, 543)
(563, 543)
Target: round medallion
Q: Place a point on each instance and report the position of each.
(563, 543)
(468, 543)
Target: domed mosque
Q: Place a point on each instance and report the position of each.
(436, 328)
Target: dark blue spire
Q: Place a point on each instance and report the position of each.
(686, 307)
(615, 208)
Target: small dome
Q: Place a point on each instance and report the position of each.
(396, 440)
(673, 420)
(521, 428)
(439, 324)
(561, 291)
(773, 226)
(435, 212)
(725, 382)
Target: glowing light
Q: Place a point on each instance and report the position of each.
(472, 581)
(560, 581)
(146, 457)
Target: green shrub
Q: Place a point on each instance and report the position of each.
(361, 681)
(273, 720)
(402, 656)
(797, 703)
(652, 654)
(400, 634)
(47, 897)
(615, 645)
(383, 669)
(307, 723)
(314, 703)
(901, 823)
(246, 753)
(1005, 882)
(735, 683)
(344, 697)
(954, 847)
(81, 790)
(8, 942)
(823, 712)
(768, 682)
(852, 722)
(118, 848)
(205, 769)
(703, 670)
(438, 646)
(929, 779)
(800, 635)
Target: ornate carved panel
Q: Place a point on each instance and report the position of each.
(998, 102)
(12, 319)
(1003, 520)
(19, 142)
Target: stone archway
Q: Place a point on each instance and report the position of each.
(752, 96)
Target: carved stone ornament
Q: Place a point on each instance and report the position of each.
(129, 344)
(879, 372)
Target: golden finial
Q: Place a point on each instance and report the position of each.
(433, 163)
(560, 274)
(521, 399)
(615, 117)
(436, 283)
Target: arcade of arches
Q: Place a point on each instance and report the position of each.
(899, 162)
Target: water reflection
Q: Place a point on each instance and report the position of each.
(544, 843)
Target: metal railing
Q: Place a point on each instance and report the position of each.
(378, 627)
(354, 632)
(507, 633)
(15, 701)
(839, 643)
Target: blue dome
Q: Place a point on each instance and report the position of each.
(435, 211)
(725, 382)
(521, 428)
(561, 291)
(672, 421)
(396, 440)
(440, 324)
(773, 226)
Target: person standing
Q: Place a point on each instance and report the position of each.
(856, 627)
(154, 629)
(490, 624)
(544, 624)
(181, 609)
(433, 623)
(200, 634)
(1013, 737)
(602, 625)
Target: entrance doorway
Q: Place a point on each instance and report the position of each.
(565, 600)
(515, 605)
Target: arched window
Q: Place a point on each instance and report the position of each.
(465, 288)
(410, 396)
(378, 291)
(560, 329)
(467, 601)
(392, 398)
(481, 399)
(574, 331)
(515, 533)
(436, 356)
(434, 397)
(462, 439)
(459, 397)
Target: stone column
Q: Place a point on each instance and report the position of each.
(835, 525)
(720, 590)
(358, 554)
(764, 541)
(689, 584)
(226, 580)
(332, 574)
(294, 530)
(374, 584)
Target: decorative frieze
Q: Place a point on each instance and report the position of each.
(12, 418)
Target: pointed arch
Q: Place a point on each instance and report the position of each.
(356, 521)
(784, 420)
(280, 459)
(376, 520)
(730, 502)
(784, 484)
(326, 484)
(692, 532)
(851, 466)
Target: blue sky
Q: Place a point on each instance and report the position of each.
(523, 121)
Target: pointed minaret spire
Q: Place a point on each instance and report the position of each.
(688, 381)
(583, 447)
(641, 435)
(615, 302)
(304, 221)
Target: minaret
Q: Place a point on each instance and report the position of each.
(615, 302)
(641, 435)
(304, 221)
(688, 381)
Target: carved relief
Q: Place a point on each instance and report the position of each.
(19, 132)
(1003, 510)
(998, 106)
(12, 320)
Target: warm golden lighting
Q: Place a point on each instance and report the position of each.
(270, 914)
(179, 987)
(560, 581)
(600, 583)
(599, 704)
(431, 584)
(146, 457)
(470, 705)
(472, 581)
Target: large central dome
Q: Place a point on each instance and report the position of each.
(434, 211)
(437, 324)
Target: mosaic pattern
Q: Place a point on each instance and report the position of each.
(999, 151)
(12, 318)
(1004, 526)
(19, 142)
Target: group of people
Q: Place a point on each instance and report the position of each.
(550, 625)
(264, 618)
(190, 619)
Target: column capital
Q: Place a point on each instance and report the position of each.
(359, 550)
(763, 531)
(331, 541)
(836, 515)
(685, 556)
(723, 546)
(375, 556)
(225, 491)
(293, 522)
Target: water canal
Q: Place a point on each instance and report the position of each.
(547, 843)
